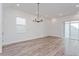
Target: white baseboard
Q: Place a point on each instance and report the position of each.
(26, 39)
(57, 36)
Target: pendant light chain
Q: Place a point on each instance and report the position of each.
(37, 19)
(38, 11)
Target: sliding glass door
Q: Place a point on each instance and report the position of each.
(72, 30)
(72, 38)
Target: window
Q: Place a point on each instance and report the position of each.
(20, 25)
(20, 21)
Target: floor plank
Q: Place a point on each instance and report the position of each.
(48, 46)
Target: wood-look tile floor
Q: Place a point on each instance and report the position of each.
(48, 46)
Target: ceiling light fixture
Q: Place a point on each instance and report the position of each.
(38, 19)
(17, 5)
(77, 5)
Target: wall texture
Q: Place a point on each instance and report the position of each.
(33, 30)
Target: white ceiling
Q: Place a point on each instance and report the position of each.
(51, 10)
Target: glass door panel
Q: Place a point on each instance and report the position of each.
(74, 29)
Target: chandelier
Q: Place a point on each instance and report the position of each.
(38, 19)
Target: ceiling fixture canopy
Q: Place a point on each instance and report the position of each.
(38, 18)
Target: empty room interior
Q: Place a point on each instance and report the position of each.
(39, 29)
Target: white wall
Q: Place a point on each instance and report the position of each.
(33, 30)
(0, 28)
(56, 28)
